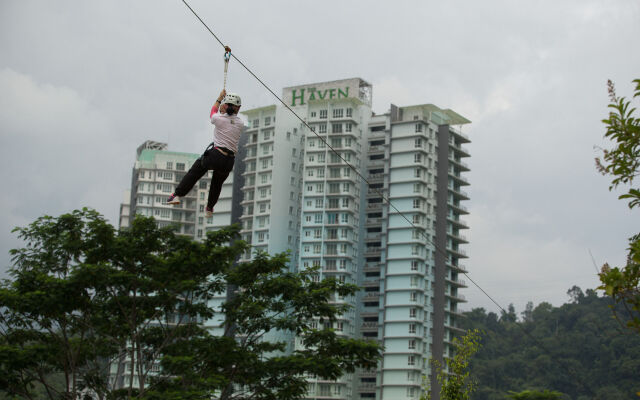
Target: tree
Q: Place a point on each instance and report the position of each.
(454, 381)
(576, 349)
(85, 298)
(622, 162)
(46, 313)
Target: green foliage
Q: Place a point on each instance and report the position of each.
(455, 383)
(623, 128)
(623, 285)
(576, 349)
(536, 395)
(84, 297)
(623, 163)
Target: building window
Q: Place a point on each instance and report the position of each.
(349, 112)
(267, 121)
(336, 128)
(416, 203)
(169, 164)
(418, 127)
(413, 296)
(417, 172)
(323, 114)
(313, 114)
(417, 158)
(412, 313)
(414, 265)
(180, 166)
(411, 360)
(322, 128)
(337, 113)
(418, 143)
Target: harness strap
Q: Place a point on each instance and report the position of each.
(227, 56)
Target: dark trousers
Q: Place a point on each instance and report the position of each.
(212, 159)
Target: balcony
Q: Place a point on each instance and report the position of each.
(373, 221)
(456, 297)
(369, 267)
(458, 268)
(369, 326)
(460, 149)
(455, 312)
(372, 235)
(462, 165)
(458, 237)
(459, 133)
(459, 179)
(457, 282)
(459, 192)
(458, 208)
(366, 386)
(376, 191)
(370, 296)
(372, 250)
(458, 252)
(457, 222)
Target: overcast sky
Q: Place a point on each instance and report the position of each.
(83, 83)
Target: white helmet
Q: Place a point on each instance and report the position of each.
(232, 98)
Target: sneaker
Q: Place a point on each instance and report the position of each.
(173, 199)
(209, 212)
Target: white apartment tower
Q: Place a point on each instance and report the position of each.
(305, 196)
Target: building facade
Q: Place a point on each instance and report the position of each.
(369, 199)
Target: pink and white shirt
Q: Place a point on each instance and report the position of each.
(228, 129)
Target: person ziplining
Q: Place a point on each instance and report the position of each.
(219, 156)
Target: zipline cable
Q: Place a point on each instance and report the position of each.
(387, 200)
(339, 155)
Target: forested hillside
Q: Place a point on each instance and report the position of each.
(578, 349)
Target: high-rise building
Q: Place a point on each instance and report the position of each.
(369, 199)
(397, 235)
(156, 173)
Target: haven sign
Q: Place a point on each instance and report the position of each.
(301, 95)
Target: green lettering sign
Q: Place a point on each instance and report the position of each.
(294, 97)
(298, 98)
